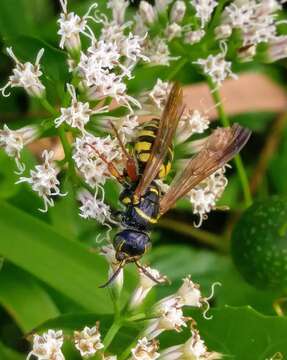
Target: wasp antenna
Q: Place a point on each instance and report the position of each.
(147, 273)
(114, 276)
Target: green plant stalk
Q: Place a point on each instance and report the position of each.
(205, 237)
(45, 103)
(237, 160)
(112, 332)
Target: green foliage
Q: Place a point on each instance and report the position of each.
(64, 264)
(242, 333)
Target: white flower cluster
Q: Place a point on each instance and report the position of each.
(194, 122)
(89, 152)
(94, 208)
(256, 20)
(217, 68)
(43, 180)
(26, 76)
(168, 315)
(13, 142)
(48, 346)
(205, 195)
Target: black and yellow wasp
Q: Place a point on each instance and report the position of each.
(150, 160)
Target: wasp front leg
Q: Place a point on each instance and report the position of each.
(110, 165)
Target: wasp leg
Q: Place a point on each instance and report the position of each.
(130, 162)
(114, 276)
(149, 275)
(110, 165)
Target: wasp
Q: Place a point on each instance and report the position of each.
(149, 160)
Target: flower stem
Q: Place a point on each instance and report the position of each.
(205, 237)
(112, 332)
(45, 103)
(238, 161)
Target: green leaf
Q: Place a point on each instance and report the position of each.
(244, 333)
(65, 265)
(15, 18)
(9, 354)
(25, 300)
(7, 176)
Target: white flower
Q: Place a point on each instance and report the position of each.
(88, 341)
(159, 93)
(216, 67)
(177, 11)
(145, 285)
(87, 154)
(26, 75)
(277, 48)
(94, 208)
(100, 56)
(157, 51)
(118, 8)
(48, 346)
(131, 47)
(77, 115)
(43, 180)
(145, 350)
(204, 9)
(204, 196)
(193, 37)
(169, 317)
(173, 31)
(147, 12)
(13, 141)
(71, 26)
(128, 127)
(192, 123)
(110, 254)
(193, 349)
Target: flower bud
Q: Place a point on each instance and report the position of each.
(145, 285)
(161, 5)
(223, 31)
(173, 31)
(147, 12)
(177, 11)
(109, 252)
(193, 37)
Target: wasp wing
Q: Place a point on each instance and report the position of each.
(220, 147)
(167, 127)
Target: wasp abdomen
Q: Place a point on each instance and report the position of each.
(143, 145)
